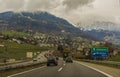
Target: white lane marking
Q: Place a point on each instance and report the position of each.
(108, 75)
(64, 64)
(25, 71)
(60, 69)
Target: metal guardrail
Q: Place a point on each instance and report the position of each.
(19, 65)
(8, 63)
(103, 62)
(42, 59)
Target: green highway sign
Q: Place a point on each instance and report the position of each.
(99, 52)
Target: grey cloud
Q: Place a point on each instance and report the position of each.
(45, 5)
(73, 4)
(28, 5)
(12, 4)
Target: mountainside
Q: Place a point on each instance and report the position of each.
(105, 35)
(103, 31)
(39, 22)
(104, 25)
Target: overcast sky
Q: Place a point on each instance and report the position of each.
(75, 11)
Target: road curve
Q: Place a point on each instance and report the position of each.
(62, 70)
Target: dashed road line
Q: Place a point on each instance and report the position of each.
(60, 69)
(64, 64)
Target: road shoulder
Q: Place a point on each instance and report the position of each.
(109, 70)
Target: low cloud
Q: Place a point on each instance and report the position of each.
(44, 5)
(14, 5)
(74, 4)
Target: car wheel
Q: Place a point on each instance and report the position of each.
(56, 64)
(48, 64)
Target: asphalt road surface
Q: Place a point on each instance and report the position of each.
(74, 69)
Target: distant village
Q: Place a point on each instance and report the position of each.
(76, 44)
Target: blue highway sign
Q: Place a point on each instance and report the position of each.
(99, 52)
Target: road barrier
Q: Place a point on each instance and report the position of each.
(108, 63)
(41, 59)
(8, 67)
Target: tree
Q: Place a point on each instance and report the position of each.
(60, 48)
(110, 48)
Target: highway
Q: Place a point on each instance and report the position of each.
(74, 69)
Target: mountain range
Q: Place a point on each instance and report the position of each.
(98, 25)
(39, 22)
(45, 22)
(105, 35)
(103, 31)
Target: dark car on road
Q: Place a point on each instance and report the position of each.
(52, 61)
(68, 60)
(57, 58)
